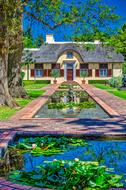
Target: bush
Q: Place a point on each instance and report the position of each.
(83, 74)
(29, 82)
(115, 82)
(22, 75)
(97, 81)
(55, 73)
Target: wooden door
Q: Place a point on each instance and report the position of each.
(69, 74)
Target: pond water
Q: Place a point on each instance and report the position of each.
(111, 153)
(67, 106)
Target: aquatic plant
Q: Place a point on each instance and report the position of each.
(47, 145)
(69, 175)
(82, 105)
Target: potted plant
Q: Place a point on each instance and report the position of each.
(83, 74)
(55, 73)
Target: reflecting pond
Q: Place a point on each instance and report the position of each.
(71, 104)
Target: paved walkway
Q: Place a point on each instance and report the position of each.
(116, 103)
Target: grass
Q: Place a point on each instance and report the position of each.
(114, 91)
(33, 89)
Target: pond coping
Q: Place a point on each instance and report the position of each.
(7, 185)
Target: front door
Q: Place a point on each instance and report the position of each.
(69, 72)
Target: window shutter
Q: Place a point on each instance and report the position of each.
(90, 72)
(45, 73)
(97, 72)
(109, 72)
(78, 72)
(62, 72)
(32, 72)
(49, 72)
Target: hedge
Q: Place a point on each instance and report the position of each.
(28, 82)
(97, 81)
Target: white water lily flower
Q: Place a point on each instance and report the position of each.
(42, 144)
(34, 146)
(54, 160)
(76, 159)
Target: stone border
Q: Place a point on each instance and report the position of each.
(32, 108)
(8, 185)
(102, 104)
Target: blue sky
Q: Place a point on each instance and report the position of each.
(60, 33)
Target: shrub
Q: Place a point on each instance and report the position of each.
(29, 82)
(115, 82)
(83, 74)
(55, 73)
(22, 75)
(97, 81)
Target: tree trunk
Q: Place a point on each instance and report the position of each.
(14, 67)
(5, 98)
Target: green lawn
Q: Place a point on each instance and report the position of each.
(114, 91)
(33, 90)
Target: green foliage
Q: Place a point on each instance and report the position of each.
(34, 82)
(118, 41)
(66, 86)
(124, 68)
(48, 146)
(115, 82)
(83, 74)
(55, 73)
(22, 75)
(29, 41)
(68, 175)
(97, 81)
(82, 105)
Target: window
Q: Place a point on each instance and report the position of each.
(69, 66)
(69, 55)
(84, 66)
(55, 66)
(38, 73)
(38, 66)
(103, 72)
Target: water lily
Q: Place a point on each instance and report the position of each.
(42, 144)
(76, 159)
(74, 188)
(34, 146)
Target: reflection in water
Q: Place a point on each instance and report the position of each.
(71, 97)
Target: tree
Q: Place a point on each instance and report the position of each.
(27, 60)
(51, 14)
(5, 28)
(118, 41)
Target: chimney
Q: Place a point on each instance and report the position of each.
(50, 38)
(97, 42)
